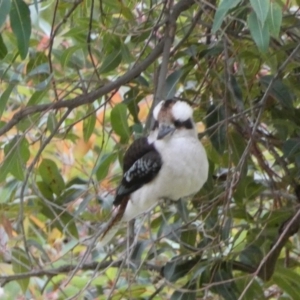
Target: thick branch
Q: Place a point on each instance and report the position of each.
(94, 95)
(68, 268)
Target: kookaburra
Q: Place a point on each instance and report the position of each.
(170, 163)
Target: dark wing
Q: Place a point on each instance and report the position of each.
(135, 151)
(145, 163)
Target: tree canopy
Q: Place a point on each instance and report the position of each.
(79, 80)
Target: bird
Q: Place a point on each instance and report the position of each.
(170, 163)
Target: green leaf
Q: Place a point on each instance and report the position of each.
(9, 190)
(237, 146)
(26, 123)
(222, 11)
(251, 255)
(261, 8)
(51, 122)
(78, 33)
(89, 125)
(4, 97)
(111, 42)
(104, 164)
(76, 181)
(127, 13)
(174, 270)
(111, 61)
(21, 264)
(4, 10)
(3, 49)
(38, 64)
(217, 135)
(171, 82)
(118, 118)
(45, 190)
(39, 70)
(21, 25)
(85, 201)
(224, 285)
(237, 91)
(260, 34)
(254, 291)
(188, 236)
(226, 230)
(36, 97)
(134, 292)
(291, 147)
(68, 53)
(51, 176)
(279, 91)
(131, 99)
(60, 218)
(70, 195)
(181, 206)
(44, 84)
(288, 280)
(138, 250)
(16, 155)
(274, 19)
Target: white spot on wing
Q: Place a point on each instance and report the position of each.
(140, 168)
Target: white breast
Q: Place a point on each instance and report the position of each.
(184, 171)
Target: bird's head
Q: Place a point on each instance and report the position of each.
(172, 115)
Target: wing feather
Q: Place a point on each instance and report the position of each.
(141, 164)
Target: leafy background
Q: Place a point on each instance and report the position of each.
(78, 80)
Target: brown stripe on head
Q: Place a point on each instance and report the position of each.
(165, 113)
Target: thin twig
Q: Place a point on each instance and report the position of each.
(28, 173)
(267, 265)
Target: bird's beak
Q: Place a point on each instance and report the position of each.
(164, 130)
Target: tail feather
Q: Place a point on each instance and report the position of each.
(114, 224)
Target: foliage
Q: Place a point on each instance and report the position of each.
(77, 80)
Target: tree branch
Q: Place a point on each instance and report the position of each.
(168, 39)
(266, 267)
(68, 268)
(94, 95)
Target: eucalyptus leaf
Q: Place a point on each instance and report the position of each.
(21, 25)
(5, 6)
(3, 48)
(16, 156)
(279, 91)
(261, 8)
(119, 122)
(89, 125)
(104, 164)
(51, 176)
(171, 83)
(4, 98)
(260, 33)
(21, 264)
(274, 19)
(217, 135)
(288, 280)
(222, 11)
(111, 61)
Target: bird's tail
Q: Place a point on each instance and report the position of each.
(113, 225)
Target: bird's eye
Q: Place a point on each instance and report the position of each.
(177, 124)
